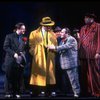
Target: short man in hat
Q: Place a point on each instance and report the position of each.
(89, 53)
(43, 62)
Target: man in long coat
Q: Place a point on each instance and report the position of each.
(43, 62)
(89, 53)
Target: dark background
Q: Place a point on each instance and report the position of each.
(64, 13)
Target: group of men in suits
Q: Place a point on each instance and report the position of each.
(43, 47)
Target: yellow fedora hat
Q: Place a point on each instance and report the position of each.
(46, 21)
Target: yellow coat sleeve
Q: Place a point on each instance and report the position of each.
(31, 43)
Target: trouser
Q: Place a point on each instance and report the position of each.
(15, 79)
(74, 79)
(90, 77)
(7, 85)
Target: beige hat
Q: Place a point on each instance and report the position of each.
(46, 21)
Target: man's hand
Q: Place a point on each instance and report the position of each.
(16, 55)
(97, 56)
(51, 47)
(97, 59)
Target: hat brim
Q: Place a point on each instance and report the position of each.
(90, 15)
(47, 24)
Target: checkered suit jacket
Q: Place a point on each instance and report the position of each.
(68, 53)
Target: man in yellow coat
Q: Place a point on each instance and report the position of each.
(43, 61)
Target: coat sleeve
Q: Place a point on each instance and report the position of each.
(7, 46)
(98, 47)
(31, 43)
(69, 44)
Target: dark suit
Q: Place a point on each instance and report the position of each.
(13, 70)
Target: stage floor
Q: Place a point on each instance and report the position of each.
(28, 96)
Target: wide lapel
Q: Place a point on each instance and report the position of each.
(91, 28)
(40, 37)
(88, 33)
(16, 41)
(51, 38)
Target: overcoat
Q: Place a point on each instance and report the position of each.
(43, 69)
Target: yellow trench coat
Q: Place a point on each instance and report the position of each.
(43, 71)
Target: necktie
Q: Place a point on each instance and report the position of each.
(45, 38)
(45, 42)
(20, 38)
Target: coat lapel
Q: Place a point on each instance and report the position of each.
(39, 37)
(16, 42)
(87, 31)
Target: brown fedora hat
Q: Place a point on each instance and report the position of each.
(46, 21)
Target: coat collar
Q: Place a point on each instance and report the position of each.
(90, 28)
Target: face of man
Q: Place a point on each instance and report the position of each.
(22, 29)
(47, 28)
(88, 20)
(63, 33)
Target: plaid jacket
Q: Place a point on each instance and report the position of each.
(68, 53)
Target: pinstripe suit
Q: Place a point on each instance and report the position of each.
(89, 47)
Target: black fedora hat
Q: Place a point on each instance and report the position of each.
(91, 15)
(57, 29)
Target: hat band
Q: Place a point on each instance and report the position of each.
(46, 22)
